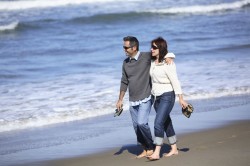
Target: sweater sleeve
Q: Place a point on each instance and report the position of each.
(124, 80)
(172, 75)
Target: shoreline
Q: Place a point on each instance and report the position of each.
(105, 135)
(225, 146)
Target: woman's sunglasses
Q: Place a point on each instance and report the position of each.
(154, 47)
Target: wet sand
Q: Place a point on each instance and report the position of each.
(208, 138)
(217, 133)
(225, 146)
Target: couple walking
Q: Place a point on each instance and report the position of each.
(150, 78)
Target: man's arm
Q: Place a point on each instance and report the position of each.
(120, 100)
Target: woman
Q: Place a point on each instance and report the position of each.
(165, 85)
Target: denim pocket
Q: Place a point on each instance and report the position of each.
(168, 96)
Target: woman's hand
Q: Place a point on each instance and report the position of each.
(183, 103)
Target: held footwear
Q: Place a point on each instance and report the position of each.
(118, 112)
(188, 110)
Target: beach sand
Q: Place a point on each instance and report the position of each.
(225, 146)
(212, 138)
(217, 133)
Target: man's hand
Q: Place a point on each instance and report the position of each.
(169, 61)
(119, 104)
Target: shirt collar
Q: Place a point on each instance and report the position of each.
(136, 56)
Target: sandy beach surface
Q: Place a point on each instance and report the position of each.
(225, 146)
(211, 138)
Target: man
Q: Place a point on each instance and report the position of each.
(135, 76)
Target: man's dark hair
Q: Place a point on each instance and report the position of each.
(132, 41)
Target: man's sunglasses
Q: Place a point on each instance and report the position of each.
(127, 47)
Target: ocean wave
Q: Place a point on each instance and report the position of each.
(104, 13)
(202, 8)
(108, 17)
(59, 115)
(10, 76)
(234, 47)
(74, 113)
(23, 25)
(9, 26)
(25, 4)
(121, 15)
(245, 90)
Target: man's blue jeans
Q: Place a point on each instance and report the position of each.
(140, 115)
(163, 106)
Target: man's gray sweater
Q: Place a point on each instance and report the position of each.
(135, 77)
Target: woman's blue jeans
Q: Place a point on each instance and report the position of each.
(140, 116)
(163, 106)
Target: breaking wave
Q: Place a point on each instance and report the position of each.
(10, 26)
(203, 8)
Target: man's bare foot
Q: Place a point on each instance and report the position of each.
(143, 154)
(153, 157)
(171, 153)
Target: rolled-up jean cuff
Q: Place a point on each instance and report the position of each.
(158, 141)
(172, 140)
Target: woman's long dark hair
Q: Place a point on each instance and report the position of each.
(162, 46)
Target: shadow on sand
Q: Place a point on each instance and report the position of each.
(136, 149)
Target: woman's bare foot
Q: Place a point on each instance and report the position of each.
(143, 154)
(149, 152)
(171, 153)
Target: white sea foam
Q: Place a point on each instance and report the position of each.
(69, 98)
(53, 102)
(25, 4)
(203, 8)
(80, 96)
(10, 26)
